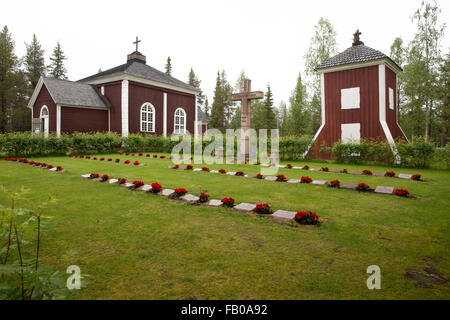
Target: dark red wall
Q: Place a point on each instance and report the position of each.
(113, 92)
(44, 98)
(140, 93)
(83, 120)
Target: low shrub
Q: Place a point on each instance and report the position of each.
(307, 218)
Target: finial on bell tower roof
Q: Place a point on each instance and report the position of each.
(356, 40)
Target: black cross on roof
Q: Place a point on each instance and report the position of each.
(136, 43)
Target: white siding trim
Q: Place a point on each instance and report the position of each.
(140, 80)
(124, 108)
(58, 120)
(350, 66)
(195, 120)
(322, 109)
(382, 109)
(165, 114)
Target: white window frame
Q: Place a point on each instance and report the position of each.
(391, 99)
(350, 98)
(150, 109)
(46, 118)
(179, 128)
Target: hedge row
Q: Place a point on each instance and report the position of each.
(25, 144)
(417, 154)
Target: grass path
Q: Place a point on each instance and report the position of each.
(141, 246)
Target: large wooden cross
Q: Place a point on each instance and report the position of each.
(246, 96)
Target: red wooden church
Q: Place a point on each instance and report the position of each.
(130, 98)
(359, 98)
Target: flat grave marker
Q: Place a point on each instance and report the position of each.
(384, 190)
(404, 176)
(283, 215)
(244, 207)
(189, 197)
(167, 192)
(214, 203)
(319, 182)
(350, 186)
(293, 181)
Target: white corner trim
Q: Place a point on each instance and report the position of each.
(58, 120)
(35, 93)
(109, 120)
(322, 111)
(165, 114)
(195, 120)
(124, 108)
(382, 109)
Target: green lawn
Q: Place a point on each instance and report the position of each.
(140, 246)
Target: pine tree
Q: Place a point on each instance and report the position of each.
(217, 120)
(34, 62)
(8, 68)
(229, 106)
(195, 82)
(299, 116)
(269, 115)
(206, 108)
(169, 66)
(56, 68)
(282, 118)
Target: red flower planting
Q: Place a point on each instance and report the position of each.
(189, 167)
(101, 159)
(138, 183)
(307, 217)
(109, 159)
(121, 180)
(162, 157)
(305, 179)
(324, 169)
(345, 171)
(416, 177)
(239, 173)
(401, 193)
(204, 197)
(176, 166)
(156, 187)
(362, 187)
(147, 155)
(180, 191)
(81, 157)
(335, 183)
(105, 177)
(88, 157)
(155, 156)
(127, 162)
(222, 171)
(132, 154)
(140, 154)
(263, 208)
(367, 172)
(259, 176)
(43, 165)
(51, 167)
(281, 178)
(95, 158)
(71, 156)
(305, 167)
(205, 169)
(289, 166)
(117, 160)
(228, 202)
(136, 163)
(59, 168)
(94, 176)
(257, 163)
(126, 153)
(389, 174)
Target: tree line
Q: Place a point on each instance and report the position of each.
(19, 77)
(423, 95)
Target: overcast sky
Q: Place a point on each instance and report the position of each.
(267, 39)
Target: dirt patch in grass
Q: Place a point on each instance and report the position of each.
(426, 278)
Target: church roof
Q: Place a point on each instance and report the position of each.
(354, 54)
(71, 93)
(203, 117)
(142, 70)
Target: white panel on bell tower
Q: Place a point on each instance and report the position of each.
(350, 98)
(350, 132)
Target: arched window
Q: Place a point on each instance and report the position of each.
(147, 117)
(44, 112)
(180, 121)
